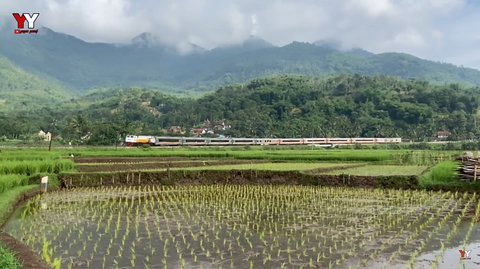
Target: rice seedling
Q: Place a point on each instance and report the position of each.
(237, 226)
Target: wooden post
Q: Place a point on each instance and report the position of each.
(475, 172)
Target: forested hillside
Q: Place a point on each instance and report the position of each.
(21, 90)
(286, 106)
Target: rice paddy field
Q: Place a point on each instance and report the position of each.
(241, 226)
(281, 166)
(381, 170)
(250, 227)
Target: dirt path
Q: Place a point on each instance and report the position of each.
(28, 258)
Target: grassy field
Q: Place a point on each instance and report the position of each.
(394, 156)
(382, 170)
(268, 153)
(287, 166)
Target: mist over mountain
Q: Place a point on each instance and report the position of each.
(147, 63)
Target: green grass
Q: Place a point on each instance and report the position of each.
(381, 170)
(33, 167)
(444, 176)
(29, 155)
(277, 153)
(268, 166)
(11, 181)
(8, 260)
(267, 153)
(283, 154)
(444, 172)
(8, 199)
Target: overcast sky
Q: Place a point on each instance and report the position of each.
(439, 30)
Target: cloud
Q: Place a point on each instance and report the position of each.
(435, 29)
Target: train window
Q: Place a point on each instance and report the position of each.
(168, 139)
(195, 140)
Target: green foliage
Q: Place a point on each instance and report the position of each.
(444, 176)
(289, 106)
(20, 90)
(442, 172)
(8, 259)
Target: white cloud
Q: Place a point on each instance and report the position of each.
(373, 8)
(435, 29)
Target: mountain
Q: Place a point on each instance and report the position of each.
(145, 62)
(21, 90)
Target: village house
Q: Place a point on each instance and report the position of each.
(442, 135)
(176, 130)
(45, 136)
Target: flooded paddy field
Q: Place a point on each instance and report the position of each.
(244, 226)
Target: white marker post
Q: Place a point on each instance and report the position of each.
(44, 184)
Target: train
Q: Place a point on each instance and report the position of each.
(138, 140)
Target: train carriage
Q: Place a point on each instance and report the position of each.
(168, 141)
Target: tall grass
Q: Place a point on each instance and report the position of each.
(443, 176)
(29, 155)
(8, 182)
(442, 172)
(8, 260)
(33, 167)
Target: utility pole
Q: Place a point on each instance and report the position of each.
(51, 134)
(50, 143)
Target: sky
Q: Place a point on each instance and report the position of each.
(438, 30)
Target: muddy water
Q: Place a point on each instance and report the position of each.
(250, 227)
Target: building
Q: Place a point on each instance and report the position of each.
(176, 130)
(45, 136)
(443, 134)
